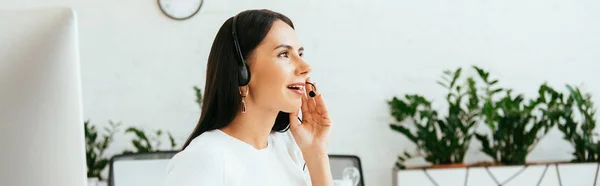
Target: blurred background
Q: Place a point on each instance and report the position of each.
(140, 67)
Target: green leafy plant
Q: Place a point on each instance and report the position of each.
(96, 145)
(515, 125)
(148, 142)
(579, 133)
(441, 140)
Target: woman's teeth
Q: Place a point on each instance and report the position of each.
(295, 87)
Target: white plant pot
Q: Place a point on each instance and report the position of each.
(547, 175)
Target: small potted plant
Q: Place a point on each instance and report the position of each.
(580, 134)
(95, 147)
(442, 141)
(515, 127)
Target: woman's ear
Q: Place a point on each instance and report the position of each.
(244, 90)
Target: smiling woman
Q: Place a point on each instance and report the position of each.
(249, 131)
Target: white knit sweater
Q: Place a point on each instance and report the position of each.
(217, 159)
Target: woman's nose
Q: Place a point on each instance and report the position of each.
(303, 68)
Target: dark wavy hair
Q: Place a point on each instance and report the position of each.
(222, 99)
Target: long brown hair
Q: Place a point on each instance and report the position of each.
(221, 94)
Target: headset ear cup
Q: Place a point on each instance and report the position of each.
(244, 76)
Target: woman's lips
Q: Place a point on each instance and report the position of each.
(298, 91)
(298, 88)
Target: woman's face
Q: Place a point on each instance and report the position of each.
(278, 70)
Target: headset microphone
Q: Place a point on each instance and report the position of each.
(312, 93)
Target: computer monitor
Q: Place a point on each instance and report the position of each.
(41, 124)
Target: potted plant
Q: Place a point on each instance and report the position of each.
(515, 127)
(580, 134)
(95, 147)
(442, 141)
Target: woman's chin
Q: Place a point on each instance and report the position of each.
(293, 106)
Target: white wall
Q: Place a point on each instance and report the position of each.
(139, 66)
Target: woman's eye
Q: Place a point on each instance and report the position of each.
(283, 54)
(301, 54)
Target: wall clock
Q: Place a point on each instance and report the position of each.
(180, 9)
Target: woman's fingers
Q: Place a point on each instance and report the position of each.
(305, 110)
(305, 105)
(321, 107)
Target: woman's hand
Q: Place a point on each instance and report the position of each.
(313, 133)
(312, 136)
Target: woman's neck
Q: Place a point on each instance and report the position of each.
(252, 127)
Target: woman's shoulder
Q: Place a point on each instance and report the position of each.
(192, 157)
(206, 141)
(205, 149)
(201, 158)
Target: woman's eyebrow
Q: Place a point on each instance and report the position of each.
(283, 46)
(287, 47)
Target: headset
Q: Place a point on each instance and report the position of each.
(244, 72)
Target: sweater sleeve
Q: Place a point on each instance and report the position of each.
(197, 167)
